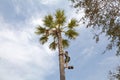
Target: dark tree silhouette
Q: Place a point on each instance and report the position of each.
(102, 15)
(115, 75)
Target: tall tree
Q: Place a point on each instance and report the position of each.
(55, 28)
(102, 15)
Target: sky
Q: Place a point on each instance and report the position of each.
(22, 57)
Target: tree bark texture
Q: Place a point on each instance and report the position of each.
(61, 57)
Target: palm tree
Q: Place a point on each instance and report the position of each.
(55, 28)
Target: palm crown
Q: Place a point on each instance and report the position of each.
(54, 25)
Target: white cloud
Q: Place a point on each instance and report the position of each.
(49, 2)
(37, 21)
(87, 54)
(21, 56)
(113, 60)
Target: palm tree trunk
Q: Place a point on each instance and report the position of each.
(61, 57)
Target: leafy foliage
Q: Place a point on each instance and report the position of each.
(102, 15)
(54, 24)
(73, 23)
(72, 34)
(60, 17)
(65, 43)
(43, 39)
(115, 75)
(53, 45)
(40, 30)
(48, 21)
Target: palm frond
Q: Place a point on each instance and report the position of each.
(48, 21)
(73, 23)
(53, 45)
(65, 43)
(40, 30)
(72, 34)
(53, 26)
(43, 39)
(60, 17)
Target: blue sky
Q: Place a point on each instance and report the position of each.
(23, 58)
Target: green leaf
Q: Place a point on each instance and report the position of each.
(40, 30)
(53, 45)
(72, 34)
(48, 21)
(60, 17)
(43, 39)
(65, 43)
(73, 23)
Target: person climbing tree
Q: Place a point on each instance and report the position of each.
(67, 60)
